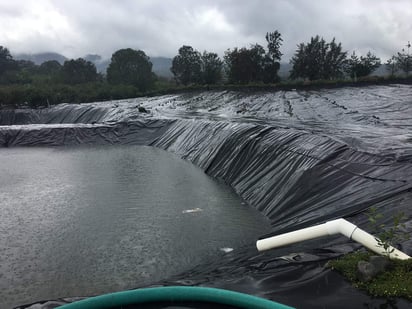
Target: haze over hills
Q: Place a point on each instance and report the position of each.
(161, 65)
(41, 57)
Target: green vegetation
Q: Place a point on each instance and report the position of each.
(316, 64)
(404, 61)
(318, 60)
(78, 71)
(41, 95)
(245, 65)
(393, 280)
(363, 66)
(396, 281)
(131, 67)
(187, 66)
(287, 85)
(387, 237)
(211, 68)
(190, 67)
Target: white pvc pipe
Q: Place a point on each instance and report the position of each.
(339, 226)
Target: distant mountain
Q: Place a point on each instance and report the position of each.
(284, 70)
(161, 66)
(102, 66)
(100, 63)
(381, 71)
(41, 57)
(93, 58)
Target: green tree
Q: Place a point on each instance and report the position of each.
(257, 61)
(298, 61)
(245, 65)
(26, 65)
(8, 67)
(363, 66)
(187, 66)
(6, 60)
(272, 58)
(211, 68)
(255, 64)
(334, 61)
(51, 67)
(23, 73)
(404, 61)
(318, 60)
(48, 72)
(274, 40)
(131, 67)
(391, 66)
(78, 71)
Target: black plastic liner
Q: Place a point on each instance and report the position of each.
(296, 176)
(141, 132)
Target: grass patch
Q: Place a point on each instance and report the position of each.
(396, 281)
(42, 93)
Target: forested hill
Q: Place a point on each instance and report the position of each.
(41, 57)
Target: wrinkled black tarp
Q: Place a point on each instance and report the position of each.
(298, 171)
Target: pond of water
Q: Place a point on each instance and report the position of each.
(90, 220)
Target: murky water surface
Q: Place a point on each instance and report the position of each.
(89, 220)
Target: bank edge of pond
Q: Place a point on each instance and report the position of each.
(32, 96)
(288, 85)
(395, 281)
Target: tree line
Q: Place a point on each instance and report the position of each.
(315, 60)
(129, 75)
(130, 71)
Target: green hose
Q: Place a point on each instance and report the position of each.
(175, 294)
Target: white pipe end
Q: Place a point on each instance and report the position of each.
(338, 226)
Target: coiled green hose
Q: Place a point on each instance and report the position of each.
(175, 294)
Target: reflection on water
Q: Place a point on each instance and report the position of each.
(84, 221)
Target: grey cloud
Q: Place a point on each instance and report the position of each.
(161, 27)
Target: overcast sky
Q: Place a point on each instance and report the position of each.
(75, 28)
